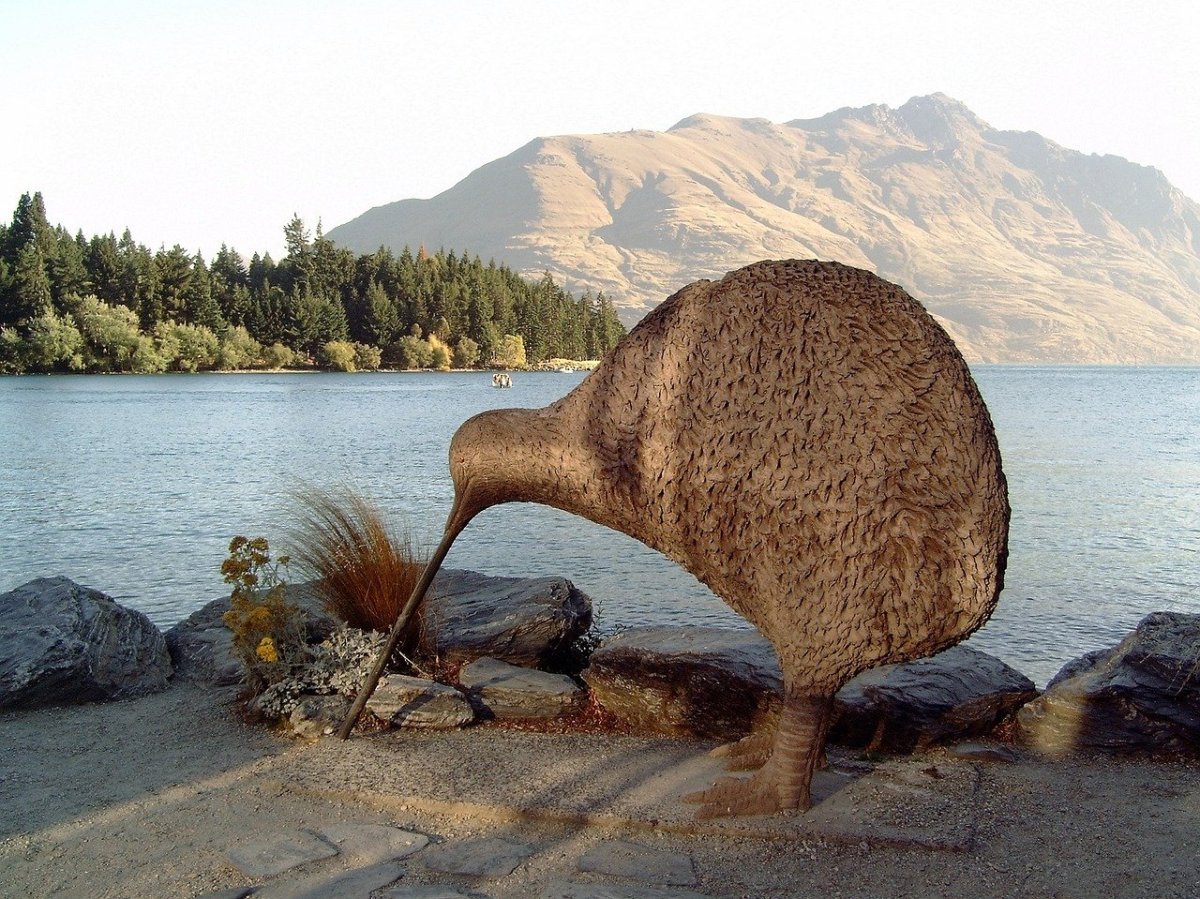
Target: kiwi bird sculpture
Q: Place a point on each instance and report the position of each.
(809, 443)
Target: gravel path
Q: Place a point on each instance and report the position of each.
(158, 796)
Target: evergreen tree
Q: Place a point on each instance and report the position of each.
(174, 270)
(28, 293)
(104, 268)
(382, 324)
(67, 269)
(199, 302)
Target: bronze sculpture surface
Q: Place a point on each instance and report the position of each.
(808, 442)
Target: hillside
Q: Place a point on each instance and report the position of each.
(1025, 250)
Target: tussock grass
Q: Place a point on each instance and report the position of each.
(366, 570)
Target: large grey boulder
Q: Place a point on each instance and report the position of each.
(1142, 696)
(720, 683)
(62, 644)
(686, 681)
(526, 621)
(201, 645)
(958, 693)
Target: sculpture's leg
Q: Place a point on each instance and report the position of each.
(784, 781)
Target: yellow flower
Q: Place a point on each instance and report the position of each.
(266, 651)
(259, 618)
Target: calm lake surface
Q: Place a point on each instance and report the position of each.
(135, 484)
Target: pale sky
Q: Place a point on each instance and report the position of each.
(212, 121)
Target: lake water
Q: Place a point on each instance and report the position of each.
(135, 484)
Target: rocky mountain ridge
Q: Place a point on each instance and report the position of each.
(1026, 251)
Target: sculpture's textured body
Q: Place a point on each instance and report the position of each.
(809, 443)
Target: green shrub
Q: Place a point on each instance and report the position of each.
(14, 352)
(54, 342)
(439, 357)
(510, 353)
(337, 355)
(198, 347)
(279, 356)
(239, 351)
(408, 352)
(466, 353)
(367, 358)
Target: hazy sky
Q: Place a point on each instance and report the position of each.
(213, 121)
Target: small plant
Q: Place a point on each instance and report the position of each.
(366, 570)
(340, 664)
(268, 633)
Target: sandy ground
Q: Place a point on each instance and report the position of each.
(146, 797)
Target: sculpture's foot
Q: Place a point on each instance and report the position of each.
(753, 751)
(784, 781)
(749, 753)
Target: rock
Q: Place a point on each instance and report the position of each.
(485, 857)
(702, 681)
(266, 858)
(415, 702)
(373, 844)
(509, 691)
(63, 644)
(620, 858)
(960, 692)
(1143, 696)
(357, 883)
(719, 683)
(566, 889)
(525, 621)
(1084, 663)
(975, 751)
(202, 646)
(422, 891)
(318, 716)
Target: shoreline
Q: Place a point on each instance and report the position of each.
(146, 797)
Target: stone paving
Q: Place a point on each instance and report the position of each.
(518, 841)
(374, 859)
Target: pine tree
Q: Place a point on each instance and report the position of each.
(28, 294)
(382, 324)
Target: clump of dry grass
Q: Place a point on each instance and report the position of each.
(366, 570)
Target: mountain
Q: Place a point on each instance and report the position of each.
(1026, 251)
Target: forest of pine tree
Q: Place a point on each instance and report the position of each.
(105, 304)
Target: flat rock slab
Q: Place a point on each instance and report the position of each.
(619, 858)
(281, 853)
(566, 889)
(508, 691)
(419, 891)
(415, 702)
(359, 883)
(487, 857)
(373, 844)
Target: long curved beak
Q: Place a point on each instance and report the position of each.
(454, 526)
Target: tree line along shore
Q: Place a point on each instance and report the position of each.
(107, 304)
